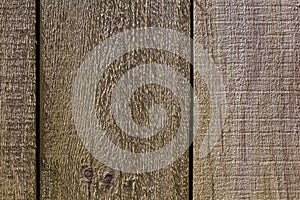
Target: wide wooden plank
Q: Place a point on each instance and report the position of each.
(17, 100)
(70, 30)
(256, 47)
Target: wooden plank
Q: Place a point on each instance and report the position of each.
(256, 47)
(17, 100)
(70, 30)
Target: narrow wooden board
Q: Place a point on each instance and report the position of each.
(70, 30)
(17, 100)
(256, 47)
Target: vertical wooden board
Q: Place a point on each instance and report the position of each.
(256, 47)
(70, 30)
(17, 100)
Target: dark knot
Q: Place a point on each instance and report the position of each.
(87, 172)
(107, 177)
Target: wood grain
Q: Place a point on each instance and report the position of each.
(17, 100)
(70, 29)
(256, 47)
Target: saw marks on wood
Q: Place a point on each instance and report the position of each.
(17, 100)
(256, 46)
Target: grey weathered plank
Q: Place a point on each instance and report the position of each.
(70, 29)
(256, 46)
(17, 100)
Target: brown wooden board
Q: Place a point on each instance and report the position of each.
(17, 100)
(256, 47)
(70, 30)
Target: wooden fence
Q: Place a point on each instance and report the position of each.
(255, 47)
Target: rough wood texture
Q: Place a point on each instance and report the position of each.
(17, 100)
(256, 46)
(70, 29)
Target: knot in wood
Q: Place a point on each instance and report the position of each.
(88, 173)
(107, 177)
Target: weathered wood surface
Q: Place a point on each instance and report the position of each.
(70, 29)
(17, 100)
(256, 46)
